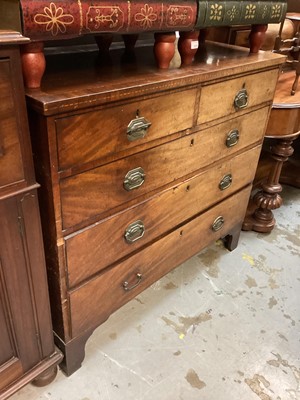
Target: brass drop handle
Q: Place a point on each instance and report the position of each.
(126, 286)
(137, 128)
(232, 138)
(134, 179)
(134, 231)
(218, 223)
(225, 182)
(241, 99)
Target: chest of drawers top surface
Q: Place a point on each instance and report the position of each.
(82, 80)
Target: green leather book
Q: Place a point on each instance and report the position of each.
(239, 12)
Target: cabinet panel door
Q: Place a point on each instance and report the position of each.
(10, 365)
(19, 334)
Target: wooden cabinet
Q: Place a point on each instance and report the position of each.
(140, 170)
(27, 349)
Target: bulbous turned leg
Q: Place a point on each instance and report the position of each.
(268, 199)
(104, 42)
(129, 55)
(187, 46)
(129, 42)
(257, 37)
(33, 64)
(164, 49)
(201, 54)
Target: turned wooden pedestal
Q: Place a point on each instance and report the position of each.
(282, 129)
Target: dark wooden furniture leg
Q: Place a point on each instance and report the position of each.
(232, 239)
(268, 199)
(33, 64)
(164, 49)
(73, 351)
(257, 37)
(129, 42)
(187, 46)
(103, 43)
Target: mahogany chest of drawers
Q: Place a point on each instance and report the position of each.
(140, 169)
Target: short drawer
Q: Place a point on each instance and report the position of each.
(93, 135)
(229, 97)
(94, 192)
(106, 242)
(11, 166)
(92, 303)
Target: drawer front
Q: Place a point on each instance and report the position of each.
(90, 136)
(91, 193)
(95, 301)
(91, 250)
(230, 97)
(11, 167)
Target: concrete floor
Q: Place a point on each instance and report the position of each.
(222, 326)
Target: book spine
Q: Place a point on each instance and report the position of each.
(44, 20)
(235, 12)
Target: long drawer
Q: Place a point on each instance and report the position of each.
(114, 238)
(92, 303)
(90, 136)
(228, 97)
(94, 192)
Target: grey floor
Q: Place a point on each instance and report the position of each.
(222, 326)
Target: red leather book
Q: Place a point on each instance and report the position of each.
(44, 20)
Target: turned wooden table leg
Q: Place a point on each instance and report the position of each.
(104, 42)
(201, 54)
(268, 199)
(33, 64)
(187, 46)
(164, 49)
(257, 37)
(129, 42)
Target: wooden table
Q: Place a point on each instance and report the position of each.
(283, 127)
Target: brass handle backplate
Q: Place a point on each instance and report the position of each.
(134, 179)
(134, 231)
(241, 99)
(137, 128)
(225, 182)
(218, 223)
(138, 281)
(232, 138)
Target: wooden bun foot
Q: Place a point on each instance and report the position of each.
(46, 377)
